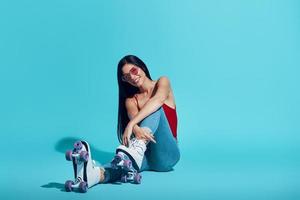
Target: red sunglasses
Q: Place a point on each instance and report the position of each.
(133, 71)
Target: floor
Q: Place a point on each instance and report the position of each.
(214, 169)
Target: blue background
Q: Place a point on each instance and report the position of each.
(234, 70)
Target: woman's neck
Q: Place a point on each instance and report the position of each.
(147, 86)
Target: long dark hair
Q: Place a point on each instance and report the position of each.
(126, 90)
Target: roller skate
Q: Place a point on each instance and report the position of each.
(135, 151)
(129, 173)
(86, 173)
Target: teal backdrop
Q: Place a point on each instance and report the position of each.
(233, 67)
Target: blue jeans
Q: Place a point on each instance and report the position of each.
(164, 154)
(160, 156)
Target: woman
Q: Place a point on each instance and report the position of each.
(147, 109)
(147, 128)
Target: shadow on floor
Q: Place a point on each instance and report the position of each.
(59, 186)
(65, 144)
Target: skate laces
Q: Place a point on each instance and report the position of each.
(137, 144)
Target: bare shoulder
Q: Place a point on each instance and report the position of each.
(163, 83)
(163, 80)
(131, 107)
(130, 101)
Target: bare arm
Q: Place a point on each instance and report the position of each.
(132, 111)
(155, 102)
(131, 108)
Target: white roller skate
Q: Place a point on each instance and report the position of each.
(135, 151)
(129, 173)
(86, 173)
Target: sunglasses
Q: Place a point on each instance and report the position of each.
(132, 71)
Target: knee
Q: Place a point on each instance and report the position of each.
(152, 120)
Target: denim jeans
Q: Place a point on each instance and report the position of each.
(160, 156)
(164, 154)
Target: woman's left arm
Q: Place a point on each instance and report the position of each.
(155, 102)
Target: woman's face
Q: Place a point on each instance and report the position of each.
(133, 75)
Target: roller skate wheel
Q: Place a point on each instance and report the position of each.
(124, 179)
(127, 164)
(118, 158)
(137, 179)
(116, 161)
(78, 145)
(84, 156)
(69, 155)
(68, 185)
(83, 187)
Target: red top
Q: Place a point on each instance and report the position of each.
(172, 118)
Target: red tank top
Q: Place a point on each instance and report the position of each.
(172, 118)
(171, 115)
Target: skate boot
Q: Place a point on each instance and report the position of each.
(135, 152)
(86, 173)
(123, 163)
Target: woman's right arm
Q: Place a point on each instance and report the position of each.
(131, 107)
(132, 110)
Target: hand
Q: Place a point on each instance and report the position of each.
(127, 134)
(141, 133)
